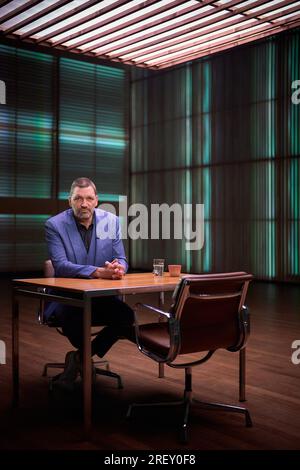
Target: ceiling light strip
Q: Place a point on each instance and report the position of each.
(19, 9)
(61, 16)
(132, 22)
(163, 30)
(223, 45)
(117, 13)
(132, 45)
(198, 47)
(192, 31)
(79, 20)
(181, 44)
(33, 17)
(166, 25)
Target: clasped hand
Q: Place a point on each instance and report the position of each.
(111, 270)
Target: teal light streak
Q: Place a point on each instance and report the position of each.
(80, 139)
(116, 132)
(35, 56)
(270, 229)
(188, 112)
(206, 178)
(38, 120)
(40, 139)
(294, 111)
(207, 246)
(206, 67)
(188, 155)
(102, 197)
(75, 127)
(111, 143)
(88, 140)
(32, 217)
(206, 158)
(111, 197)
(188, 198)
(294, 196)
(111, 72)
(206, 143)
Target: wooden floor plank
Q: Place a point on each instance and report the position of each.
(272, 388)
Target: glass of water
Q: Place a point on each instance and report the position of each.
(158, 267)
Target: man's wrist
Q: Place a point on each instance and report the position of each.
(96, 274)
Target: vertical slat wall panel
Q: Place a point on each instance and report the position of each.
(26, 129)
(8, 122)
(29, 241)
(76, 122)
(91, 114)
(164, 110)
(93, 135)
(290, 123)
(111, 166)
(34, 125)
(225, 131)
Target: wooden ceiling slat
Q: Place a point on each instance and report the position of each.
(60, 17)
(3, 3)
(237, 22)
(124, 25)
(227, 44)
(82, 21)
(36, 16)
(153, 23)
(158, 52)
(18, 10)
(158, 43)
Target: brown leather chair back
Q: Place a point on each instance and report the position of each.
(48, 269)
(207, 310)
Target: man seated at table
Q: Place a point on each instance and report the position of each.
(76, 251)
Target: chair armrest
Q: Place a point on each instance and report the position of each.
(153, 309)
(137, 327)
(244, 324)
(245, 317)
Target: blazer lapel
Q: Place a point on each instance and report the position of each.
(102, 250)
(91, 256)
(76, 241)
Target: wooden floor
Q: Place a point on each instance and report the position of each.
(273, 385)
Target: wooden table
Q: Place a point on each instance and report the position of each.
(87, 290)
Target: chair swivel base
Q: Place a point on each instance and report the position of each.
(106, 372)
(109, 373)
(61, 365)
(186, 403)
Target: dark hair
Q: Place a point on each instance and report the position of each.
(82, 182)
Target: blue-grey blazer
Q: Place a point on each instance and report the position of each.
(68, 253)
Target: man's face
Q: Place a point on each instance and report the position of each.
(83, 202)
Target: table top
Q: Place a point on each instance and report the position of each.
(130, 284)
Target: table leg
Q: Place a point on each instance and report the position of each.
(161, 301)
(15, 348)
(242, 375)
(87, 369)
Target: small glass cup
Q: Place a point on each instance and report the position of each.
(158, 267)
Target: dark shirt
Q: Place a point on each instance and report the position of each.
(85, 233)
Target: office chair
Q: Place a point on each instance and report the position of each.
(49, 272)
(208, 313)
